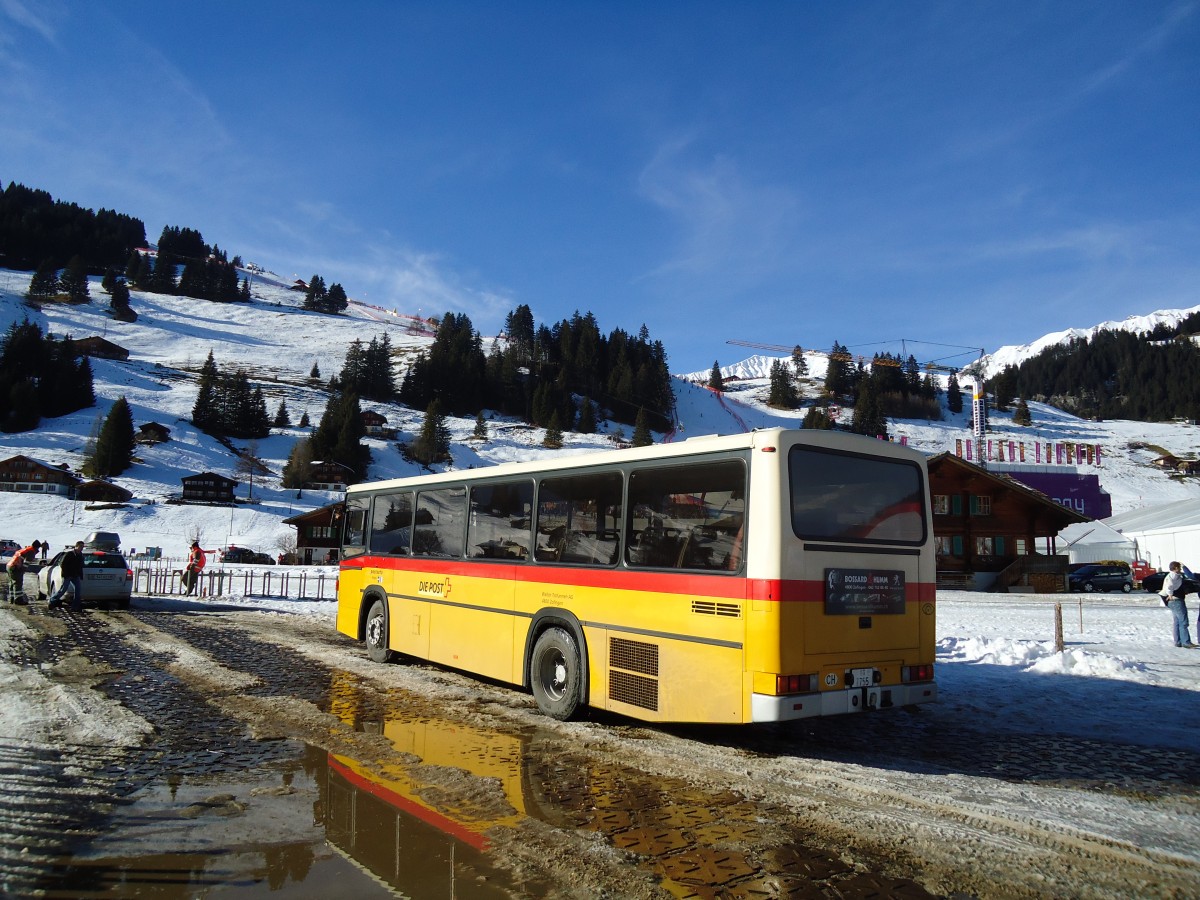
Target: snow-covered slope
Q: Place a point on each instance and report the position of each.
(1015, 354)
(277, 343)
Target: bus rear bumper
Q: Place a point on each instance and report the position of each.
(768, 708)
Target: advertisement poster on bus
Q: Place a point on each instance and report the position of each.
(863, 592)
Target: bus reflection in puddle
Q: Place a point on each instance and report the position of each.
(423, 822)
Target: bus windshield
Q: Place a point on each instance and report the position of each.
(842, 496)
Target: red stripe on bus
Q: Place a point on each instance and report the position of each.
(424, 813)
(698, 584)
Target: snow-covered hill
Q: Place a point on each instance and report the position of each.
(1015, 354)
(278, 343)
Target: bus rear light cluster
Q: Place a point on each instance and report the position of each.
(917, 673)
(795, 684)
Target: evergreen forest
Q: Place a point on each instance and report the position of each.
(35, 228)
(1151, 376)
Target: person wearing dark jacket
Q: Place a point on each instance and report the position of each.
(70, 567)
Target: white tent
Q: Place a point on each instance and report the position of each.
(1085, 542)
(1163, 533)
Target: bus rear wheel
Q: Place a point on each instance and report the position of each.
(377, 634)
(555, 674)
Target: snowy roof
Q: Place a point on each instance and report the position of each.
(1179, 514)
(1091, 534)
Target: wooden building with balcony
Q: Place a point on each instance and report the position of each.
(992, 532)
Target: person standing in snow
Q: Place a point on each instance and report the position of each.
(1172, 594)
(195, 565)
(16, 573)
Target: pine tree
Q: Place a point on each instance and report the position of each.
(314, 297)
(336, 300)
(587, 417)
(304, 421)
(954, 397)
(204, 412)
(816, 418)
(481, 428)
(782, 393)
(282, 419)
(553, 438)
(114, 445)
(715, 380)
(74, 281)
(799, 364)
(641, 431)
(868, 416)
(315, 372)
(119, 301)
(44, 283)
(1022, 416)
(298, 468)
(838, 377)
(433, 443)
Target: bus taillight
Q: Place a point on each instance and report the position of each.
(795, 684)
(917, 673)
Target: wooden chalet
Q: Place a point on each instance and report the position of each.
(318, 534)
(23, 474)
(103, 492)
(99, 348)
(327, 475)
(993, 532)
(374, 423)
(152, 433)
(208, 487)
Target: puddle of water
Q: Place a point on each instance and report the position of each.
(464, 781)
(420, 823)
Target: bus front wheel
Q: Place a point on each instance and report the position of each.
(555, 674)
(377, 634)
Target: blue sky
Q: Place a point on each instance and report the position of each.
(974, 174)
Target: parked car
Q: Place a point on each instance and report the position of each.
(1101, 577)
(1153, 584)
(8, 547)
(246, 555)
(107, 578)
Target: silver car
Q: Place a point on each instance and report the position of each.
(107, 578)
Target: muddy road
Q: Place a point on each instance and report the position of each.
(242, 753)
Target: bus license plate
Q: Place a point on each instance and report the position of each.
(862, 677)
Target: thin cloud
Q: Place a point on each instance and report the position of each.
(42, 21)
(725, 221)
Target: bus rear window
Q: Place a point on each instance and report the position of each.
(838, 496)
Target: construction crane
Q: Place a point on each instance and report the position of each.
(934, 365)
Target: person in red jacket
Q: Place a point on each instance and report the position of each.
(195, 565)
(16, 573)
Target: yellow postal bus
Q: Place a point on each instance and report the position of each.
(750, 578)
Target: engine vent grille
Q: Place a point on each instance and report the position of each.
(634, 656)
(636, 690)
(712, 608)
(632, 673)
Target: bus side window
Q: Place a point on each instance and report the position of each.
(355, 530)
(440, 523)
(687, 516)
(498, 523)
(391, 523)
(578, 518)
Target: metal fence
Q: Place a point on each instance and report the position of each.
(298, 583)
